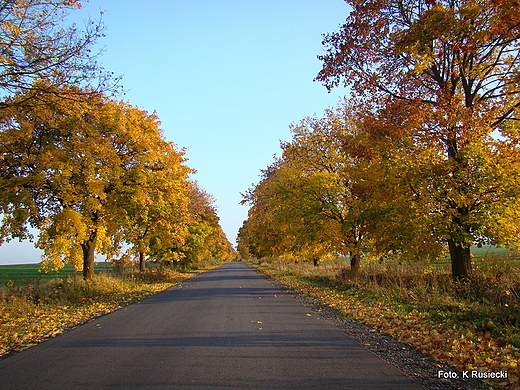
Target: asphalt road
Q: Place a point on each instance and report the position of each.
(228, 328)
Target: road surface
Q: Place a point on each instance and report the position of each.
(227, 328)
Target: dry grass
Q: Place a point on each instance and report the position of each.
(493, 293)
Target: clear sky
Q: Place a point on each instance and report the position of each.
(226, 78)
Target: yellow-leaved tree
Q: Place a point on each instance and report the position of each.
(316, 199)
(153, 189)
(85, 173)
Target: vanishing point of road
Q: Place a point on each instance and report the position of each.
(228, 328)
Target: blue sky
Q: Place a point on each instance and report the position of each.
(226, 78)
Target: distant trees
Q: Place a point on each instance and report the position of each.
(202, 237)
(205, 238)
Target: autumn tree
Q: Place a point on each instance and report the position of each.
(38, 52)
(268, 231)
(260, 234)
(455, 64)
(204, 238)
(245, 242)
(154, 191)
(313, 200)
(323, 150)
(83, 174)
(405, 223)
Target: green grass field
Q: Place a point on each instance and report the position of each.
(490, 251)
(28, 273)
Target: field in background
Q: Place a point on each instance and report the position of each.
(484, 257)
(28, 273)
(490, 251)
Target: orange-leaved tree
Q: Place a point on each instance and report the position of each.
(457, 64)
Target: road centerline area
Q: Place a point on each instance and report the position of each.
(227, 328)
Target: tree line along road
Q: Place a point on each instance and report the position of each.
(227, 328)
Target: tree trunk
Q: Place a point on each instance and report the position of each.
(460, 260)
(353, 240)
(142, 263)
(315, 261)
(89, 251)
(354, 262)
(460, 252)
